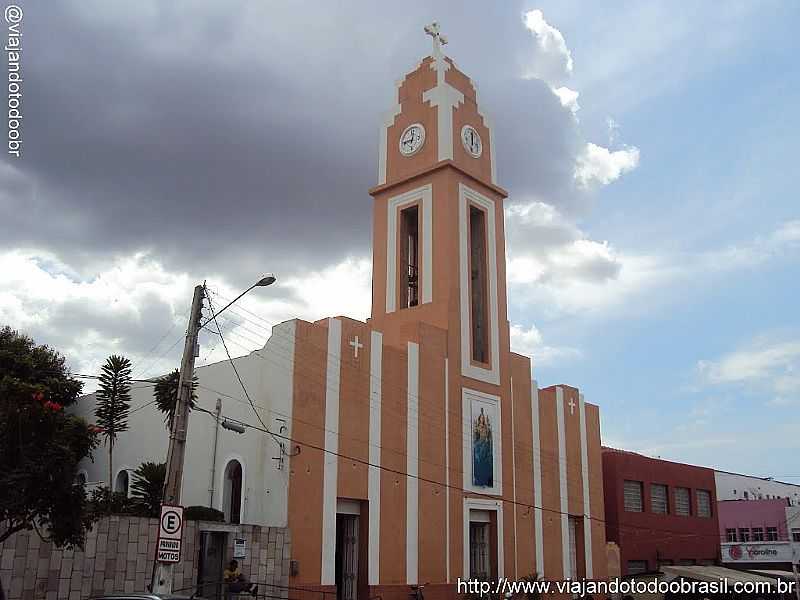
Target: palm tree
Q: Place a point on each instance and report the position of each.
(148, 486)
(166, 395)
(113, 404)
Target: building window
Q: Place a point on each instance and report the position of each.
(757, 534)
(478, 284)
(658, 499)
(796, 534)
(683, 502)
(121, 482)
(703, 503)
(632, 493)
(479, 551)
(635, 567)
(746, 495)
(744, 534)
(232, 493)
(409, 236)
(730, 534)
(772, 534)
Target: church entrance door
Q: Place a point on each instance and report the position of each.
(347, 556)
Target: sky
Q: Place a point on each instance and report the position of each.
(653, 230)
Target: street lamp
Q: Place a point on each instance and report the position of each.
(266, 280)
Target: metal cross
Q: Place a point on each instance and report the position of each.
(571, 406)
(356, 345)
(439, 40)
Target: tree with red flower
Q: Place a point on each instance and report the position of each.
(41, 444)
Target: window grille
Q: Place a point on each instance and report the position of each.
(633, 496)
(683, 503)
(658, 499)
(703, 503)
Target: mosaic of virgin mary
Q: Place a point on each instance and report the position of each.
(482, 460)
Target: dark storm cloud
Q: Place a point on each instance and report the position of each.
(238, 138)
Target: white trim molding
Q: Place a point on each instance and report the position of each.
(587, 507)
(485, 505)
(447, 464)
(537, 479)
(492, 402)
(562, 482)
(374, 474)
(412, 465)
(514, 479)
(445, 98)
(383, 144)
(467, 196)
(424, 196)
(330, 472)
(488, 124)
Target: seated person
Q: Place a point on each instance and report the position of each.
(237, 582)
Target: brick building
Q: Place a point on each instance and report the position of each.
(659, 512)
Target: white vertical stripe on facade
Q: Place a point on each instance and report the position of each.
(330, 470)
(514, 477)
(562, 481)
(412, 464)
(587, 510)
(374, 477)
(447, 464)
(537, 480)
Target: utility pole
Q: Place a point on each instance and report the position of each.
(162, 578)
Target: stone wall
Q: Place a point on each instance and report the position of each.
(118, 557)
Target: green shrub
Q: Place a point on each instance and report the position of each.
(104, 502)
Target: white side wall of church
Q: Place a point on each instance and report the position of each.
(268, 376)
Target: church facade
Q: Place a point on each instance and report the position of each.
(438, 457)
(416, 447)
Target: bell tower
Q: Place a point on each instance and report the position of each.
(438, 237)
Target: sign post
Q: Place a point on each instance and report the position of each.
(170, 532)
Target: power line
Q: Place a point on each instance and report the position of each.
(451, 486)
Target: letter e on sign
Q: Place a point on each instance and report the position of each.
(171, 524)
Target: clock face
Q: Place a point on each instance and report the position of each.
(472, 141)
(412, 139)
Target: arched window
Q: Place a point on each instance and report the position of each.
(232, 493)
(121, 482)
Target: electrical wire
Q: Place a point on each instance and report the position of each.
(454, 487)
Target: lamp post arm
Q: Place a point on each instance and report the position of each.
(206, 322)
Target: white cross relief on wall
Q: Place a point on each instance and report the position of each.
(356, 345)
(571, 406)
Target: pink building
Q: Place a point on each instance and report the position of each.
(755, 533)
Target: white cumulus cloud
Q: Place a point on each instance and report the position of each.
(599, 165)
(553, 59)
(529, 342)
(568, 98)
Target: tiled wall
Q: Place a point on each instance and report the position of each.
(118, 557)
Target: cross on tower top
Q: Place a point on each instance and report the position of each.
(439, 40)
